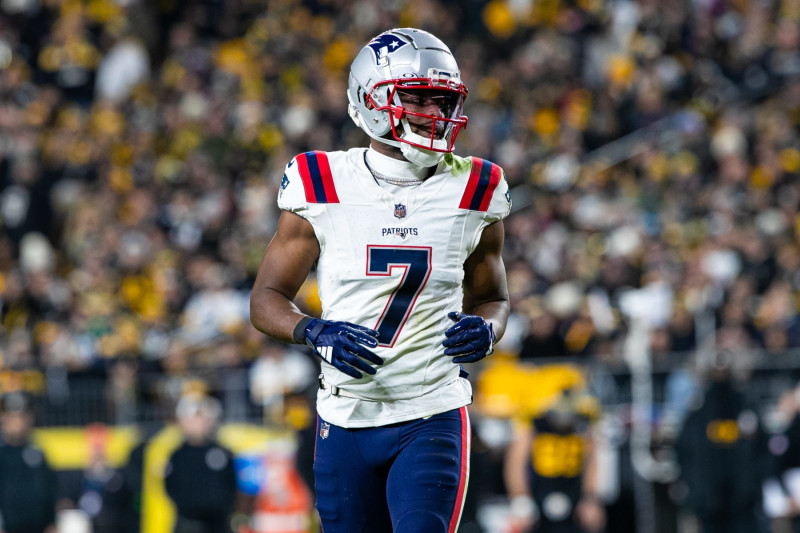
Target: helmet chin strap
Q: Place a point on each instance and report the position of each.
(420, 156)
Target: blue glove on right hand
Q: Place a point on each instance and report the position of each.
(342, 344)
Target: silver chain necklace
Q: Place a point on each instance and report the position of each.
(400, 182)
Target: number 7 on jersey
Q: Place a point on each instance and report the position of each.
(416, 264)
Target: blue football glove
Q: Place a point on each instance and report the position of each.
(342, 344)
(471, 338)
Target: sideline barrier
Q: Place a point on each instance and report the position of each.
(75, 448)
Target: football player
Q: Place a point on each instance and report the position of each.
(407, 238)
(551, 469)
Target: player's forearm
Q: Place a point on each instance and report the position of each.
(495, 312)
(516, 481)
(274, 314)
(590, 482)
(515, 471)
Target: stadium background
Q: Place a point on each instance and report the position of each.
(652, 149)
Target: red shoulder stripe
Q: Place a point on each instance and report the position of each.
(315, 171)
(494, 181)
(327, 177)
(472, 184)
(483, 180)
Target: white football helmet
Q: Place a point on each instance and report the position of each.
(413, 62)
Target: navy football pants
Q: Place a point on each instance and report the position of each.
(409, 477)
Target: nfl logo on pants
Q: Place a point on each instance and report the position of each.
(399, 210)
(324, 430)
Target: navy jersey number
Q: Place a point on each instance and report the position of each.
(416, 265)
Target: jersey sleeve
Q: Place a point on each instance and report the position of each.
(500, 203)
(307, 181)
(291, 195)
(486, 191)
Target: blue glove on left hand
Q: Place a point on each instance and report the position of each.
(471, 338)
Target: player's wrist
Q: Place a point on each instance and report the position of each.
(299, 333)
(592, 498)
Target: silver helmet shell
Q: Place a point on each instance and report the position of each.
(410, 60)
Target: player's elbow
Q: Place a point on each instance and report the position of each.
(257, 314)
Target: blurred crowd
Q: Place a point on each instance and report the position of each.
(652, 149)
(650, 145)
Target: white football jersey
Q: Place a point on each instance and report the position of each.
(394, 263)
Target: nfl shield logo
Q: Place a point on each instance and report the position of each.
(324, 430)
(399, 211)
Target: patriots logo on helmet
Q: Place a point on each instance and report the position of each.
(388, 41)
(399, 211)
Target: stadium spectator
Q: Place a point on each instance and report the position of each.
(28, 487)
(200, 477)
(128, 191)
(780, 489)
(722, 452)
(122, 496)
(551, 469)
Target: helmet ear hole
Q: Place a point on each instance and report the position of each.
(363, 100)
